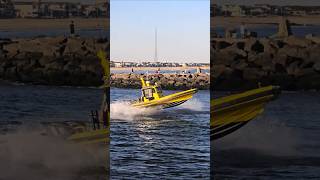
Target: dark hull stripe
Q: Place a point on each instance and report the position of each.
(173, 104)
(221, 131)
(275, 92)
(102, 136)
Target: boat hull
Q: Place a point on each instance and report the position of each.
(77, 132)
(168, 101)
(99, 136)
(230, 113)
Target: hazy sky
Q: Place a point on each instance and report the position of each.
(274, 2)
(183, 30)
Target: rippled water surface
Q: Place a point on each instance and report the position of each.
(283, 143)
(94, 33)
(159, 144)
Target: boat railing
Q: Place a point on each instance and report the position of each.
(96, 123)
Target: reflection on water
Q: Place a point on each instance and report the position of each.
(153, 144)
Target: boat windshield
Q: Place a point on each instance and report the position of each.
(159, 89)
(147, 92)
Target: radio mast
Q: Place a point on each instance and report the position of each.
(155, 45)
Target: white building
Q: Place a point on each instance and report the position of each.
(26, 9)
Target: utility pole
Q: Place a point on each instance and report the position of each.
(155, 45)
(39, 8)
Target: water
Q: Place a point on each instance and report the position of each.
(283, 143)
(266, 31)
(25, 154)
(93, 33)
(159, 144)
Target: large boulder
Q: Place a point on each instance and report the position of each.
(297, 41)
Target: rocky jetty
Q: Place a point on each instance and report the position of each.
(291, 62)
(52, 60)
(167, 81)
(72, 61)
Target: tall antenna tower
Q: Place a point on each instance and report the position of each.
(155, 45)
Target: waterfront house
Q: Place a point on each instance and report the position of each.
(6, 9)
(233, 10)
(118, 64)
(215, 10)
(26, 9)
(58, 10)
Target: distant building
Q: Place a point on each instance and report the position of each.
(25, 9)
(262, 10)
(298, 13)
(154, 64)
(118, 64)
(233, 10)
(56, 9)
(6, 9)
(215, 10)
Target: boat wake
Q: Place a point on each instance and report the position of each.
(193, 105)
(124, 111)
(264, 142)
(282, 143)
(264, 136)
(36, 156)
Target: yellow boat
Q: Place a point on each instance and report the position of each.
(152, 96)
(99, 132)
(77, 132)
(232, 112)
(90, 136)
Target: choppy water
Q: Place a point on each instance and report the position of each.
(159, 144)
(94, 33)
(25, 154)
(283, 143)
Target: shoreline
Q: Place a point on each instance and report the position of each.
(12, 83)
(156, 68)
(20, 24)
(232, 22)
(168, 81)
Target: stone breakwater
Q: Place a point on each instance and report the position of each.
(52, 60)
(292, 62)
(167, 81)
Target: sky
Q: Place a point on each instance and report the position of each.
(273, 2)
(183, 28)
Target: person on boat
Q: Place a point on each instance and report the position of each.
(147, 92)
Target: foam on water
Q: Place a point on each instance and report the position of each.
(27, 154)
(193, 104)
(124, 111)
(264, 136)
